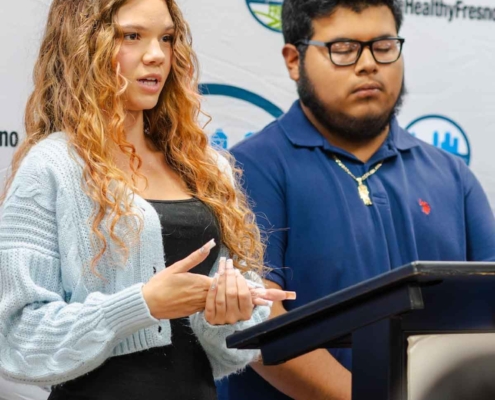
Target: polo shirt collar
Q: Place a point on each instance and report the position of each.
(402, 139)
(301, 132)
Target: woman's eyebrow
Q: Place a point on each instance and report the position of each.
(143, 28)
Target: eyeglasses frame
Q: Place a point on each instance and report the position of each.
(363, 45)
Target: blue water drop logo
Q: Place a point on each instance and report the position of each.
(219, 139)
(442, 132)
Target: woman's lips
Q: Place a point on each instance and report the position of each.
(149, 85)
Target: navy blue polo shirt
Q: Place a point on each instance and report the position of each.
(427, 205)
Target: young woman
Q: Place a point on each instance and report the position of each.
(114, 182)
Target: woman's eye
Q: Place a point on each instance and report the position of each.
(131, 36)
(168, 38)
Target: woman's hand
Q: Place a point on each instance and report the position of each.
(226, 298)
(175, 292)
(229, 299)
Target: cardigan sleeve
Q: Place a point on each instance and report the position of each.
(44, 340)
(226, 361)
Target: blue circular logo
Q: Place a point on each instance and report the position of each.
(442, 132)
(267, 12)
(237, 113)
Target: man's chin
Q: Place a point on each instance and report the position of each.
(366, 114)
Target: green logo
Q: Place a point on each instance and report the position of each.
(267, 12)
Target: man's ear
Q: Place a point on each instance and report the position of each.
(291, 57)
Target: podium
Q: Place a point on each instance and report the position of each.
(375, 319)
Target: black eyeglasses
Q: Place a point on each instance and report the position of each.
(347, 52)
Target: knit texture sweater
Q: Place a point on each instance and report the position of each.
(59, 320)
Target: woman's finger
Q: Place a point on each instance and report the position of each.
(192, 259)
(260, 302)
(273, 294)
(231, 294)
(210, 306)
(244, 297)
(220, 305)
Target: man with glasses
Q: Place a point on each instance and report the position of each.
(344, 192)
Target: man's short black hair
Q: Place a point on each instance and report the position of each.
(298, 15)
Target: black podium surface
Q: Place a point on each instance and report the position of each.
(377, 316)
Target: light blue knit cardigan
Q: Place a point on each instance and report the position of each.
(58, 320)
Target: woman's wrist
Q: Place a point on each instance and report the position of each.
(149, 299)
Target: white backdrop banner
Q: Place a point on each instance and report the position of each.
(449, 54)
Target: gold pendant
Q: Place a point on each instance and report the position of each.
(364, 193)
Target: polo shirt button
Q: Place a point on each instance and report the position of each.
(154, 270)
(159, 329)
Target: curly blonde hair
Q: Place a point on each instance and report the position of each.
(79, 90)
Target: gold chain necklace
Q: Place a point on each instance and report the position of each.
(363, 191)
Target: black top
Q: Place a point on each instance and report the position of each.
(186, 226)
(181, 370)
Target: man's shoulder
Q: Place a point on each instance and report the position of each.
(267, 151)
(270, 150)
(265, 141)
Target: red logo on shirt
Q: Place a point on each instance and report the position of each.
(425, 207)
